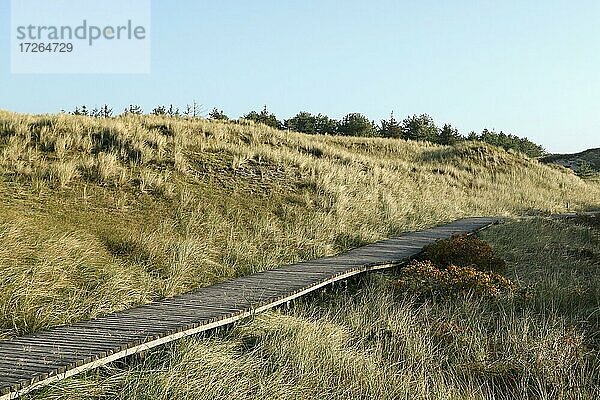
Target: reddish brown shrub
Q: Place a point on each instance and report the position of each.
(425, 279)
(465, 251)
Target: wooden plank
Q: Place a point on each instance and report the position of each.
(57, 338)
(285, 281)
(69, 357)
(13, 379)
(199, 307)
(224, 302)
(153, 327)
(258, 293)
(29, 375)
(53, 345)
(167, 318)
(12, 384)
(78, 336)
(84, 330)
(187, 310)
(145, 316)
(50, 349)
(35, 364)
(276, 285)
(242, 293)
(72, 359)
(298, 272)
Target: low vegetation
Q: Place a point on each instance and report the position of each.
(425, 279)
(463, 250)
(453, 266)
(586, 164)
(102, 214)
(373, 340)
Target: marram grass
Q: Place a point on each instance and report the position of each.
(98, 215)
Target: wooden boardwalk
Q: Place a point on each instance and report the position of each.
(31, 362)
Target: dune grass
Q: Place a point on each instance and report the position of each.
(99, 215)
(373, 341)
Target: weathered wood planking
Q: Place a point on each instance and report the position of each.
(34, 361)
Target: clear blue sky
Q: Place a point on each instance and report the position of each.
(530, 68)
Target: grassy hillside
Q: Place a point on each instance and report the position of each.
(99, 215)
(589, 159)
(373, 342)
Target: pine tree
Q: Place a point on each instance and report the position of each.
(105, 111)
(218, 115)
(390, 128)
(133, 110)
(173, 111)
(356, 124)
(160, 110)
(81, 111)
(420, 127)
(449, 135)
(303, 122)
(326, 125)
(264, 117)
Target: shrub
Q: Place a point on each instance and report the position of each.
(424, 279)
(585, 170)
(264, 117)
(218, 115)
(464, 250)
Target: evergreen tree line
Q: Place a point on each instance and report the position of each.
(417, 127)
